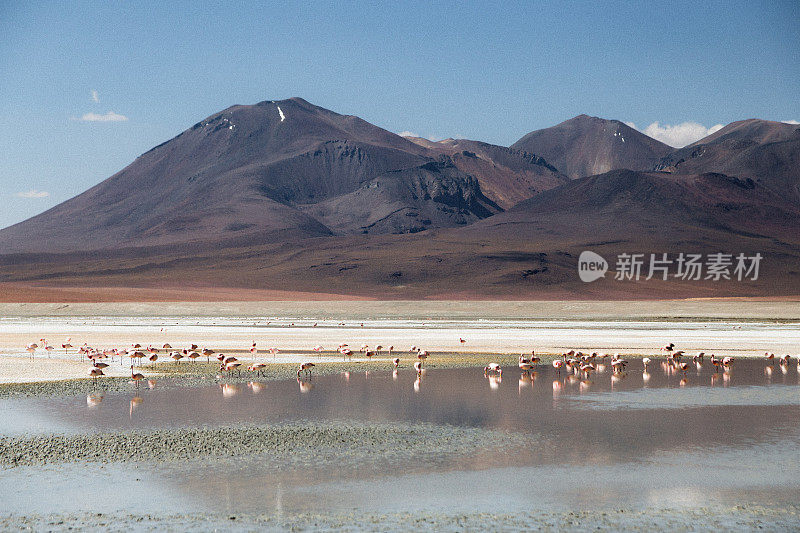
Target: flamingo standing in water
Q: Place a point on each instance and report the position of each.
(95, 373)
(137, 377)
(557, 364)
(646, 361)
(306, 368)
(493, 367)
(418, 367)
(67, 345)
(230, 367)
(396, 362)
(524, 365)
(258, 368)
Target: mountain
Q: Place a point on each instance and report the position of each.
(751, 130)
(253, 172)
(506, 176)
(285, 195)
(584, 146)
(763, 151)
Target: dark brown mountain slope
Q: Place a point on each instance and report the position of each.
(751, 130)
(766, 152)
(249, 171)
(528, 252)
(506, 176)
(584, 146)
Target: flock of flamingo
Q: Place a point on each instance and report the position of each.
(228, 363)
(576, 364)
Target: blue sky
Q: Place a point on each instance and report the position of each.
(485, 71)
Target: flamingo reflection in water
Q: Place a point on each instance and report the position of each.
(93, 399)
(229, 390)
(135, 402)
(305, 385)
(256, 386)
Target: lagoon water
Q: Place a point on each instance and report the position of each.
(639, 440)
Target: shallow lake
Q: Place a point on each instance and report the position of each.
(634, 440)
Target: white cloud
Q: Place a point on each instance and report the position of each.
(678, 135)
(408, 134)
(108, 117)
(95, 96)
(790, 121)
(33, 193)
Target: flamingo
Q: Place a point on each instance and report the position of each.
(137, 377)
(493, 367)
(684, 368)
(67, 345)
(391, 349)
(557, 364)
(422, 355)
(524, 365)
(95, 373)
(208, 353)
(727, 361)
(230, 367)
(176, 356)
(785, 359)
(418, 367)
(257, 368)
(167, 346)
(396, 362)
(378, 349)
(193, 356)
(100, 365)
(306, 368)
(646, 361)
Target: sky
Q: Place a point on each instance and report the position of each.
(86, 87)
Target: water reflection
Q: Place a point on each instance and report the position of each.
(135, 402)
(305, 385)
(256, 386)
(93, 399)
(229, 390)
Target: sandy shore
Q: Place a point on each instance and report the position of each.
(20, 369)
(725, 308)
